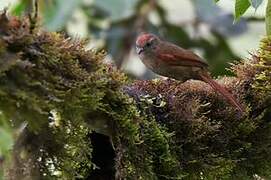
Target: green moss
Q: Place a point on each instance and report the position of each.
(62, 90)
(210, 140)
(263, 77)
(164, 129)
(54, 75)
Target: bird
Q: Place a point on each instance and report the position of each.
(169, 60)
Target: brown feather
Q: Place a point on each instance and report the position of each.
(177, 56)
(226, 94)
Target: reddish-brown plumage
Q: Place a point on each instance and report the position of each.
(186, 60)
(143, 39)
(169, 60)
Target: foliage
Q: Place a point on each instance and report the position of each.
(241, 6)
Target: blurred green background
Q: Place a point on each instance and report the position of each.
(200, 25)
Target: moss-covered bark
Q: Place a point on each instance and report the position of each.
(84, 120)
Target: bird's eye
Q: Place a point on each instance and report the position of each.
(148, 44)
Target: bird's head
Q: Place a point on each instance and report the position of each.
(146, 43)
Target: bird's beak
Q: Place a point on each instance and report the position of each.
(139, 50)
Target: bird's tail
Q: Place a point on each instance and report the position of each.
(226, 94)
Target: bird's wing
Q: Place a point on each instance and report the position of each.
(176, 56)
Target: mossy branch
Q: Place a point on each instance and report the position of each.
(84, 120)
